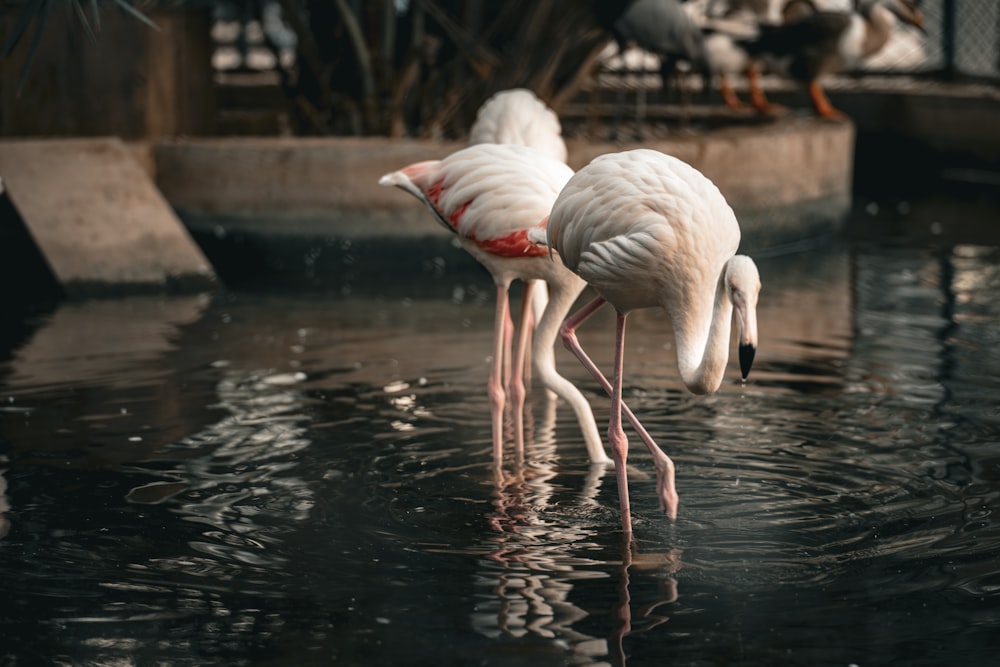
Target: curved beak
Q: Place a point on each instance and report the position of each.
(747, 353)
(747, 319)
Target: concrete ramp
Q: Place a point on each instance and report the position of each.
(97, 218)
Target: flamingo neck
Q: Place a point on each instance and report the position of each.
(702, 334)
(561, 298)
(562, 294)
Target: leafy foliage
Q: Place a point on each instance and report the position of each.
(423, 67)
(396, 67)
(37, 11)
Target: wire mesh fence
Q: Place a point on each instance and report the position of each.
(962, 39)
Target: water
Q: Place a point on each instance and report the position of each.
(305, 479)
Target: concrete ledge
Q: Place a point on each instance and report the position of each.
(759, 167)
(947, 120)
(313, 206)
(97, 218)
(281, 178)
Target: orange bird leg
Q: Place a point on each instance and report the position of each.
(757, 97)
(822, 103)
(666, 487)
(728, 94)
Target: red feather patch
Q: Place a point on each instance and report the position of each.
(434, 192)
(456, 215)
(512, 245)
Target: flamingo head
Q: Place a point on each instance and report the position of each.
(743, 287)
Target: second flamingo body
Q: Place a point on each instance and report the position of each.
(491, 196)
(648, 230)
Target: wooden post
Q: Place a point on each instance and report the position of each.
(134, 82)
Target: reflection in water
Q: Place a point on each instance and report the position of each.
(236, 469)
(529, 568)
(664, 565)
(4, 505)
(112, 341)
(533, 557)
(308, 480)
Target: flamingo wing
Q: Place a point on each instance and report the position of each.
(633, 223)
(489, 194)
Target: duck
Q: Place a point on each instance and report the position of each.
(812, 43)
(659, 27)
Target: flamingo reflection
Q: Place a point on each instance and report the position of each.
(537, 551)
(247, 456)
(540, 543)
(4, 505)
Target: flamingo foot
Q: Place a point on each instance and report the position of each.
(666, 488)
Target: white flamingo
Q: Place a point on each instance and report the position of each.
(491, 195)
(646, 229)
(517, 116)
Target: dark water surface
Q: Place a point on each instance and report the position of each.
(306, 479)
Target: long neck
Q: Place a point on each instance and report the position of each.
(702, 333)
(562, 294)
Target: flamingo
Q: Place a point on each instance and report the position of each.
(645, 229)
(517, 116)
(490, 195)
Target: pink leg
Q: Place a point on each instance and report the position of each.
(495, 386)
(516, 388)
(617, 441)
(528, 322)
(508, 338)
(666, 488)
(623, 611)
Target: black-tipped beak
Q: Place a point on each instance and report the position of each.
(746, 358)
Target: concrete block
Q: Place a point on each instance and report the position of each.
(785, 179)
(284, 178)
(97, 218)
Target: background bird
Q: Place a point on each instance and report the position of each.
(758, 8)
(490, 195)
(517, 116)
(645, 229)
(813, 43)
(726, 57)
(661, 27)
